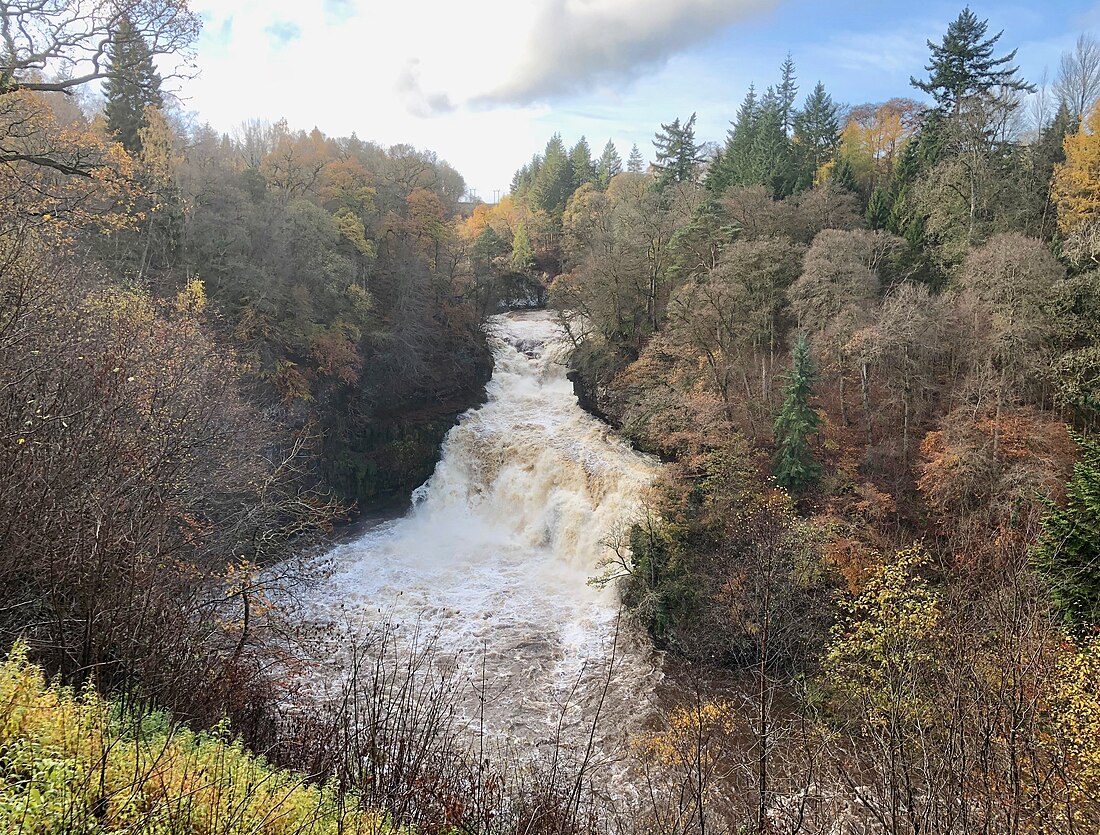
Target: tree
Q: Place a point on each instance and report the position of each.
(523, 259)
(635, 164)
(962, 66)
(132, 86)
(795, 466)
(786, 93)
(678, 156)
(1068, 551)
(580, 162)
(553, 184)
(609, 164)
(737, 155)
(843, 176)
(878, 208)
(74, 41)
(769, 161)
(1076, 189)
(1078, 82)
(816, 133)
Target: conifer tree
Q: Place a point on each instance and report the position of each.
(962, 65)
(879, 208)
(786, 93)
(609, 164)
(733, 167)
(635, 164)
(132, 85)
(553, 184)
(580, 162)
(523, 258)
(816, 136)
(797, 422)
(845, 176)
(678, 156)
(770, 153)
(1068, 551)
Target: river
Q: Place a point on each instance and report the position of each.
(496, 555)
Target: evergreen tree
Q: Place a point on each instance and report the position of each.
(609, 164)
(963, 65)
(786, 94)
(635, 164)
(1068, 551)
(816, 136)
(525, 177)
(845, 176)
(132, 85)
(769, 162)
(879, 208)
(553, 184)
(523, 257)
(580, 163)
(678, 156)
(797, 422)
(733, 168)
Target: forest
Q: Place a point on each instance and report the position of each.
(863, 342)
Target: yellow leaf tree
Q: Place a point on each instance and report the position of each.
(1076, 189)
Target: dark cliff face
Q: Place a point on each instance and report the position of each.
(595, 397)
(591, 371)
(385, 440)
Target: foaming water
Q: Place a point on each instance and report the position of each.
(496, 554)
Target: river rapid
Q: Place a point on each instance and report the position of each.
(495, 557)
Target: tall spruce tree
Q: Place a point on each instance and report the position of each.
(553, 184)
(844, 175)
(879, 208)
(609, 164)
(796, 468)
(733, 167)
(523, 258)
(786, 93)
(580, 161)
(678, 155)
(769, 161)
(816, 136)
(962, 65)
(132, 85)
(1068, 551)
(635, 163)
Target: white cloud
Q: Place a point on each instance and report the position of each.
(465, 79)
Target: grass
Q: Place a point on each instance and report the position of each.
(70, 763)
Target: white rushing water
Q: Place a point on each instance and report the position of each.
(500, 544)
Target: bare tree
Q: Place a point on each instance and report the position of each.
(1078, 82)
(69, 39)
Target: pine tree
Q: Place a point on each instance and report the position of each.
(553, 184)
(769, 162)
(609, 164)
(678, 157)
(844, 175)
(816, 136)
(787, 93)
(523, 258)
(132, 85)
(635, 164)
(1068, 551)
(963, 65)
(797, 422)
(735, 163)
(879, 208)
(580, 163)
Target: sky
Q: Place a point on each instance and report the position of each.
(485, 83)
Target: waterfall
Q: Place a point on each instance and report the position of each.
(501, 542)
